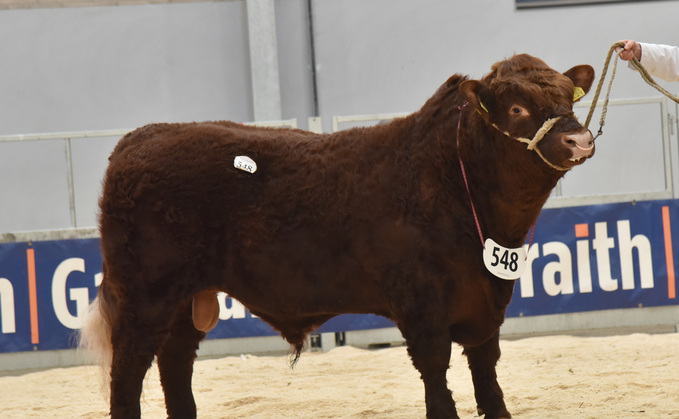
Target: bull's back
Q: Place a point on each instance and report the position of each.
(189, 166)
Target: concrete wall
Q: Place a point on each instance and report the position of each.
(390, 56)
(95, 68)
(104, 67)
(44, 4)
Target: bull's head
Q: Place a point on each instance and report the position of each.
(528, 101)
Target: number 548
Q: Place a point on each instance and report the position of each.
(508, 259)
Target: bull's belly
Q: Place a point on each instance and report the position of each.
(299, 296)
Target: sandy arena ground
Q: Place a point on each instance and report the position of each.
(631, 376)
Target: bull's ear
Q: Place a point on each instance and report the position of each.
(479, 97)
(582, 77)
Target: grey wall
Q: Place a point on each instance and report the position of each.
(93, 68)
(74, 69)
(119, 67)
(295, 60)
(391, 55)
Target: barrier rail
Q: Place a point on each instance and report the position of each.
(380, 117)
(68, 136)
(658, 124)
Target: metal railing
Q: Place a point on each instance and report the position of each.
(670, 152)
(559, 200)
(380, 117)
(68, 136)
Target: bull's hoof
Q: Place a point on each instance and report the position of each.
(442, 414)
(503, 414)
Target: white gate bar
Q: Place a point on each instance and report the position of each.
(336, 120)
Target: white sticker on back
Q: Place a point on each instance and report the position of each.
(503, 262)
(245, 163)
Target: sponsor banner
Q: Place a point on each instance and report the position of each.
(581, 259)
(45, 288)
(600, 257)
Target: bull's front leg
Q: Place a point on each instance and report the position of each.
(482, 361)
(430, 353)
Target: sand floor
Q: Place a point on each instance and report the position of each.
(630, 376)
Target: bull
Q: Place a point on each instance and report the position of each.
(421, 221)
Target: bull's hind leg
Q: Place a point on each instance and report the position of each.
(175, 363)
(137, 333)
(431, 357)
(482, 361)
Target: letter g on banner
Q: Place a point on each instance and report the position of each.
(79, 295)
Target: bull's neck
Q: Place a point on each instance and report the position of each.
(508, 195)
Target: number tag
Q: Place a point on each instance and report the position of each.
(503, 262)
(245, 163)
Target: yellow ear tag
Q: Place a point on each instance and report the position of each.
(578, 93)
(483, 107)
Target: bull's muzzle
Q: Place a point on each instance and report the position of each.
(580, 144)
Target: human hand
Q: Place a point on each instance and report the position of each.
(631, 49)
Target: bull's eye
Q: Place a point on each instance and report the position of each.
(518, 110)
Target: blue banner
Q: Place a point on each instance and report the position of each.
(45, 288)
(600, 257)
(581, 259)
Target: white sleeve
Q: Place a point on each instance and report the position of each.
(661, 61)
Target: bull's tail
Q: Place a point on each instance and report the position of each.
(95, 335)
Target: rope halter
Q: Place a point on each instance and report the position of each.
(533, 143)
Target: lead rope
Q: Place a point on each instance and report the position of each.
(469, 194)
(644, 75)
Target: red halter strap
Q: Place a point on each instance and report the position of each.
(466, 184)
